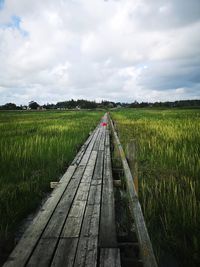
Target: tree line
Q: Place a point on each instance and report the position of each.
(86, 104)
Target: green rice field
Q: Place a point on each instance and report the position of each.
(36, 148)
(169, 177)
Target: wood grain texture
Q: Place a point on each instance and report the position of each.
(87, 252)
(65, 253)
(107, 236)
(110, 257)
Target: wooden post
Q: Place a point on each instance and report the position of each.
(131, 154)
(53, 185)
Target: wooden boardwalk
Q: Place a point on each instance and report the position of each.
(76, 225)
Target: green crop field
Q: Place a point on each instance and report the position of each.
(36, 148)
(169, 184)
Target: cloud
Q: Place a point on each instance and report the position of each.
(118, 50)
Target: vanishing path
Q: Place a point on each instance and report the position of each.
(76, 225)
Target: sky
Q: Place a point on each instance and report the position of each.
(117, 50)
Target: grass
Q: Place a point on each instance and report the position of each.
(169, 168)
(35, 148)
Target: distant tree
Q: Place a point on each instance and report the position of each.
(81, 103)
(9, 106)
(49, 106)
(135, 104)
(33, 105)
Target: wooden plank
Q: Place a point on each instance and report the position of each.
(82, 150)
(95, 194)
(102, 142)
(65, 252)
(90, 225)
(55, 224)
(45, 250)
(92, 160)
(107, 237)
(47, 245)
(73, 223)
(110, 257)
(24, 248)
(96, 146)
(90, 168)
(146, 249)
(99, 166)
(96, 182)
(53, 230)
(87, 252)
(107, 139)
(82, 193)
(86, 156)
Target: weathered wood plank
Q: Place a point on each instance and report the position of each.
(65, 252)
(53, 230)
(95, 194)
(96, 182)
(90, 168)
(74, 220)
(87, 247)
(87, 252)
(86, 155)
(73, 223)
(82, 193)
(107, 139)
(83, 148)
(57, 220)
(47, 245)
(96, 146)
(45, 248)
(99, 166)
(24, 248)
(107, 237)
(90, 225)
(92, 159)
(102, 142)
(110, 257)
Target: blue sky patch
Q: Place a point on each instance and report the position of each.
(15, 24)
(2, 2)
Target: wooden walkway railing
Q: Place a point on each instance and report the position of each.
(76, 225)
(146, 251)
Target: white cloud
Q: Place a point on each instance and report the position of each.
(118, 50)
